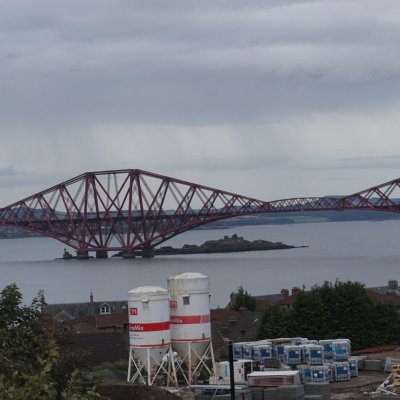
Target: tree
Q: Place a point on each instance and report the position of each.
(274, 323)
(339, 310)
(30, 356)
(243, 298)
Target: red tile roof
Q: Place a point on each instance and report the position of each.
(106, 321)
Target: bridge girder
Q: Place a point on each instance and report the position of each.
(127, 210)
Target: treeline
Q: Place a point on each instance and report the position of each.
(338, 310)
(333, 310)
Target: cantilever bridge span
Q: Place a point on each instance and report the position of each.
(134, 210)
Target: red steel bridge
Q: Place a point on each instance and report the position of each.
(133, 210)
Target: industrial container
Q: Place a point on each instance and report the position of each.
(241, 368)
(189, 295)
(149, 333)
(222, 369)
(149, 323)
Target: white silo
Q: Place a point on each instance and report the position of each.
(149, 334)
(189, 304)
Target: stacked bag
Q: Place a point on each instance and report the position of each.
(320, 361)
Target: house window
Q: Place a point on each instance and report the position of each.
(186, 300)
(105, 309)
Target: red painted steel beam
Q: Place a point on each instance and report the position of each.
(127, 210)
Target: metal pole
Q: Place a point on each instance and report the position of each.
(231, 371)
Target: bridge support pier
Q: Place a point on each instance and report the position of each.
(101, 254)
(82, 255)
(128, 254)
(148, 253)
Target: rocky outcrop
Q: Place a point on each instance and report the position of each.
(225, 245)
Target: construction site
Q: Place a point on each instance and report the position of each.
(171, 347)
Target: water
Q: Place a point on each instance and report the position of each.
(366, 252)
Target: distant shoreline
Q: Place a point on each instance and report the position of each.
(289, 218)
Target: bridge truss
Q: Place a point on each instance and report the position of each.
(131, 210)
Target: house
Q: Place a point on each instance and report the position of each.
(70, 311)
(102, 347)
(238, 326)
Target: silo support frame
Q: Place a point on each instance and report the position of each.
(165, 366)
(208, 353)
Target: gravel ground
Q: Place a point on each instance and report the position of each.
(360, 387)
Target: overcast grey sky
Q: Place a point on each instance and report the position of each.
(268, 98)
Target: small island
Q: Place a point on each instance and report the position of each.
(227, 244)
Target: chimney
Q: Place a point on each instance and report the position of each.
(393, 286)
(285, 292)
(91, 308)
(296, 290)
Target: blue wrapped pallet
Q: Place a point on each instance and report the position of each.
(305, 373)
(280, 351)
(327, 344)
(320, 373)
(237, 349)
(308, 341)
(353, 365)
(341, 350)
(262, 352)
(248, 350)
(341, 371)
(297, 341)
(314, 354)
(293, 354)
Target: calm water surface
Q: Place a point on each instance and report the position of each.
(367, 252)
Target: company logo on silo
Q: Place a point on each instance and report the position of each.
(190, 319)
(149, 326)
(176, 320)
(173, 304)
(136, 327)
(133, 311)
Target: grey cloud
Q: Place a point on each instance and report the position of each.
(223, 62)
(8, 171)
(378, 162)
(81, 81)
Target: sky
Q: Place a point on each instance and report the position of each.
(266, 98)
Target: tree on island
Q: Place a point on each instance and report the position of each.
(339, 310)
(243, 299)
(32, 365)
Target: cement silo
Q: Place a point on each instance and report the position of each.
(189, 303)
(149, 334)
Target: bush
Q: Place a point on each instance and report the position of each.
(31, 363)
